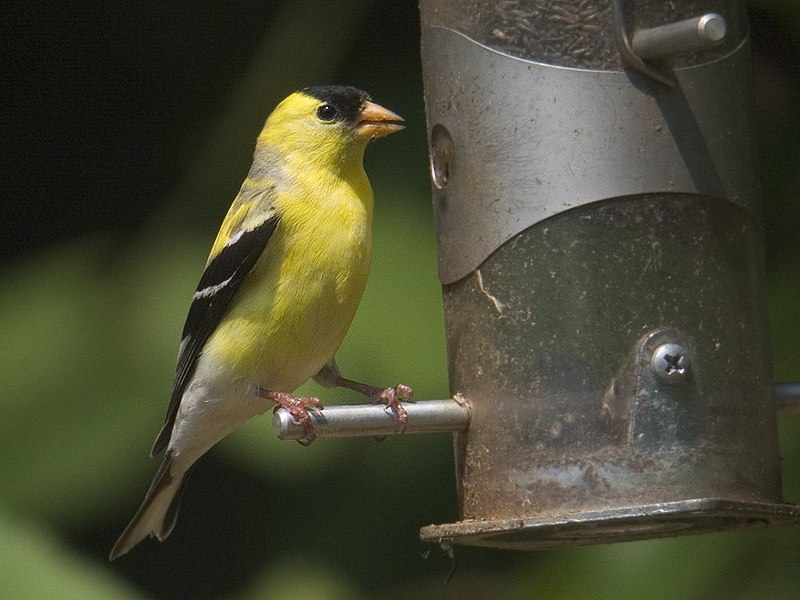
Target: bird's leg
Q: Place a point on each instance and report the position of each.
(298, 408)
(390, 396)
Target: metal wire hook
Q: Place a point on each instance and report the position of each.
(629, 57)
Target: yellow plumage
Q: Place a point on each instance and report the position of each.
(313, 290)
(280, 289)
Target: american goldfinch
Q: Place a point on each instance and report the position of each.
(279, 291)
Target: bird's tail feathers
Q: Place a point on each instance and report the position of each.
(162, 439)
(159, 510)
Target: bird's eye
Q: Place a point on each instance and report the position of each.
(327, 112)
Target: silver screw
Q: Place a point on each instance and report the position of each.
(671, 363)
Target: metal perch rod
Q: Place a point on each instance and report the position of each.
(787, 397)
(353, 420)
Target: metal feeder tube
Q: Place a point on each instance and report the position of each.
(602, 268)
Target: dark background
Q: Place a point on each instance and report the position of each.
(126, 131)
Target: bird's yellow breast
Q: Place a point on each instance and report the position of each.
(292, 312)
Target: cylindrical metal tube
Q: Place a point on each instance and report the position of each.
(349, 420)
(549, 359)
(602, 269)
(787, 397)
(672, 39)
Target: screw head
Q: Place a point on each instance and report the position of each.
(671, 363)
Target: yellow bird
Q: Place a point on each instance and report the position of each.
(279, 291)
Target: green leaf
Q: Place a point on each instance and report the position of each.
(34, 565)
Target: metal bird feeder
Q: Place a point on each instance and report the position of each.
(602, 267)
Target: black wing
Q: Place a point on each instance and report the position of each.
(218, 284)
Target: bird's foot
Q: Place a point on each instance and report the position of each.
(391, 397)
(297, 406)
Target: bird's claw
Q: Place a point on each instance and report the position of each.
(297, 407)
(392, 397)
(389, 396)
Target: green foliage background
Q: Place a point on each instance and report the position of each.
(90, 323)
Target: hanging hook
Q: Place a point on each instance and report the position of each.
(629, 57)
(698, 33)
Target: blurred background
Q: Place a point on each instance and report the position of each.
(126, 131)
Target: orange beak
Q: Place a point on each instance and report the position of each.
(374, 121)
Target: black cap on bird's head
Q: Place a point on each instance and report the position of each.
(350, 105)
(344, 99)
